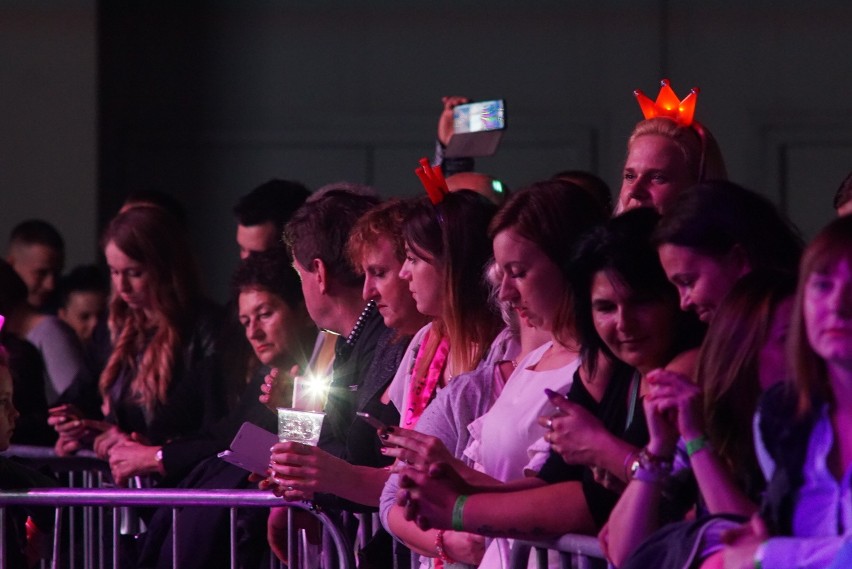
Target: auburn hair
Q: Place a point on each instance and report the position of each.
(150, 346)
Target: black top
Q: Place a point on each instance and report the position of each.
(613, 410)
(377, 363)
(183, 453)
(181, 414)
(26, 367)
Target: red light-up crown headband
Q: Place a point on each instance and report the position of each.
(668, 105)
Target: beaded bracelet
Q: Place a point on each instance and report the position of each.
(458, 512)
(439, 547)
(652, 468)
(697, 444)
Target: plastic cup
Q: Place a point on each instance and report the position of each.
(299, 426)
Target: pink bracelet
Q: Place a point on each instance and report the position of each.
(439, 547)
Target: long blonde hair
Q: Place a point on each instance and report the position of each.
(153, 238)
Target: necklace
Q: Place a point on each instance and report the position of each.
(360, 323)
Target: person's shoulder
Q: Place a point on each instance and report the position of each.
(49, 326)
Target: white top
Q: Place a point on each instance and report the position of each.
(822, 516)
(502, 438)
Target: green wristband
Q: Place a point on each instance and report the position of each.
(458, 512)
(697, 444)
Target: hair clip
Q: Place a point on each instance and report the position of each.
(667, 104)
(433, 181)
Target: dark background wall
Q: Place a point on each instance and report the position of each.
(208, 99)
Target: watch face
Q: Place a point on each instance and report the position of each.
(634, 467)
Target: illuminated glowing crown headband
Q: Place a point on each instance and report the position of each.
(433, 181)
(668, 105)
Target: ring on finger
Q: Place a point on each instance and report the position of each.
(550, 423)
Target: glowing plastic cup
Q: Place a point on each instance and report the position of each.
(299, 426)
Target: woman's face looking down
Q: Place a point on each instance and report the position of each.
(383, 284)
(638, 331)
(531, 282)
(425, 282)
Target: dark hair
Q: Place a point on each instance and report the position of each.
(591, 183)
(274, 201)
(320, 228)
(728, 367)
(13, 290)
(381, 222)
(553, 214)
(453, 235)
(844, 192)
(159, 199)
(37, 232)
(83, 278)
(271, 271)
(623, 246)
(714, 217)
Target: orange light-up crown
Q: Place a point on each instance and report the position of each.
(667, 104)
(433, 181)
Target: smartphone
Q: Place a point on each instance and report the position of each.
(480, 116)
(370, 420)
(250, 448)
(477, 129)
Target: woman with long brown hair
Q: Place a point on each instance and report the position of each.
(161, 327)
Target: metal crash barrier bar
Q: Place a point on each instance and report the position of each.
(575, 552)
(173, 498)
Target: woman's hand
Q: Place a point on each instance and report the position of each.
(70, 423)
(277, 388)
(674, 393)
(464, 547)
(573, 432)
(130, 458)
(445, 121)
(741, 544)
(427, 498)
(66, 446)
(414, 449)
(108, 439)
(299, 471)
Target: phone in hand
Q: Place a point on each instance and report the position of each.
(372, 421)
(250, 448)
(477, 129)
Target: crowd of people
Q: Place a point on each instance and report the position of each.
(667, 370)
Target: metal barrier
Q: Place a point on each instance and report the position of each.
(89, 498)
(575, 552)
(174, 499)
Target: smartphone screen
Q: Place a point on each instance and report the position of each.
(480, 116)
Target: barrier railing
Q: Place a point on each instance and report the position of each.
(341, 556)
(575, 552)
